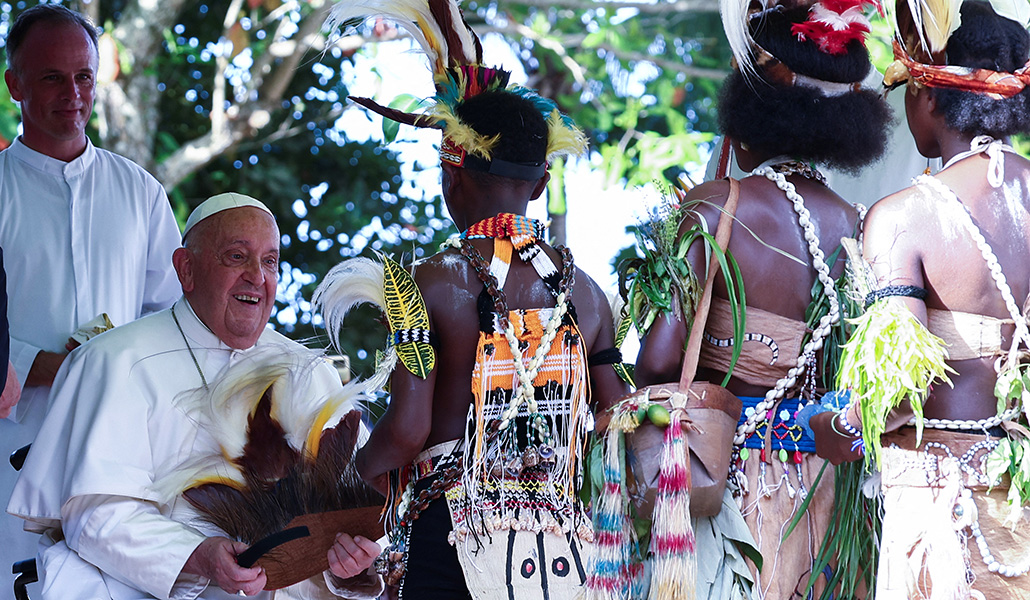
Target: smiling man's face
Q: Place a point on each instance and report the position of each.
(229, 271)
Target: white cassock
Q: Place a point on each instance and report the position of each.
(112, 429)
(92, 235)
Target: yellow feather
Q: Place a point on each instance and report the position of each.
(561, 140)
(216, 480)
(940, 18)
(933, 20)
(463, 135)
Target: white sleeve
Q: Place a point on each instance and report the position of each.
(366, 586)
(130, 540)
(23, 354)
(162, 288)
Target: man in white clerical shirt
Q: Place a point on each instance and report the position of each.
(115, 427)
(85, 232)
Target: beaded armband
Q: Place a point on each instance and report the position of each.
(890, 291)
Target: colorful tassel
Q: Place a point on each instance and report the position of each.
(673, 546)
(610, 577)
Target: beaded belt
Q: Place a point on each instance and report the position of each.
(426, 461)
(787, 434)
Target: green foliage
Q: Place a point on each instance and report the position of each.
(1012, 456)
(890, 357)
(663, 281)
(640, 81)
(852, 538)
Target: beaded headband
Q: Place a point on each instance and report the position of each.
(458, 74)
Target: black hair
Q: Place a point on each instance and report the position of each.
(49, 14)
(986, 40)
(845, 131)
(522, 129)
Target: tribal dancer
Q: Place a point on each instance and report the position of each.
(793, 101)
(946, 324)
(503, 341)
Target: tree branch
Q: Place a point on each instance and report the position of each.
(236, 121)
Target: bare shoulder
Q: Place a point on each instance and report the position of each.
(902, 214)
(447, 267)
(587, 290)
(706, 201)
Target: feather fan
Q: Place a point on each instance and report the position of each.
(281, 449)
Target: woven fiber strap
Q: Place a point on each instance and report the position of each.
(722, 238)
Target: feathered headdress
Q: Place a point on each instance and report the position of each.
(921, 32)
(831, 25)
(456, 55)
(282, 462)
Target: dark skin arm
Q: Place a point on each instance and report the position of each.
(401, 433)
(45, 366)
(896, 258)
(404, 430)
(656, 361)
(598, 327)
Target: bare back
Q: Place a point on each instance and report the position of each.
(765, 220)
(918, 237)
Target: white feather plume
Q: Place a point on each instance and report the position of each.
(203, 467)
(934, 21)
(223, 410)
(352, 282)
(413, 16)
(385, 366)
(468, 44)
(734, 15)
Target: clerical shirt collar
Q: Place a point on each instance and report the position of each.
(195, 329)
(52, 166)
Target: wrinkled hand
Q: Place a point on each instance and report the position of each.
(215, 558)
(352, 556)
(71, 344)
(830, 444)
(12, 393)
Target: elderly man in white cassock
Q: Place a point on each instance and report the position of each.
(115, 427)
